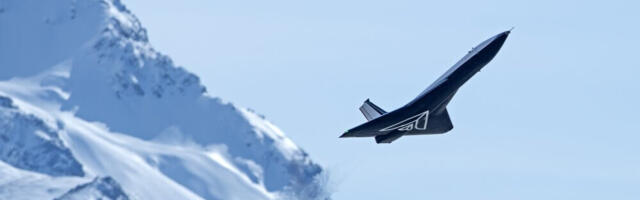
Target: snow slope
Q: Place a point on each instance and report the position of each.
(19, 184)
(104, 103)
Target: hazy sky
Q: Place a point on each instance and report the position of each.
(555, 115)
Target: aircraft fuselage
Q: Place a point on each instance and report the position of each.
(426, 114)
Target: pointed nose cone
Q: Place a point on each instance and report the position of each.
(508, 31)
(500, 38)
(495, 40)
(491, 46)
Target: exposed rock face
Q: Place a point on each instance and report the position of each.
(104, 188)
(26, 142)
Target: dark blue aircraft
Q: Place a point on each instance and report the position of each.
(427, 113)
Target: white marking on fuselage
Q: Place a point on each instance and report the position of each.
(411, 123)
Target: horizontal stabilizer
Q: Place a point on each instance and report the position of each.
(371, 111)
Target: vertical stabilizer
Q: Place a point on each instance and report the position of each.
(371, 111)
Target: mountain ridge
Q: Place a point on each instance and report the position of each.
(109, 89)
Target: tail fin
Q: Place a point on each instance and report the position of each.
(371, 111)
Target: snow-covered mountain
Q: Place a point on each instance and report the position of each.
(99, 188)
(89, 110)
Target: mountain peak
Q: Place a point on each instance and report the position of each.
(120, 96)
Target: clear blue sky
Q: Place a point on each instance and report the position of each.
(554, 116)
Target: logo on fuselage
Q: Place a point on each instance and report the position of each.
(417, 122)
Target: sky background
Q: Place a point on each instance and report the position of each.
(553, 116)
